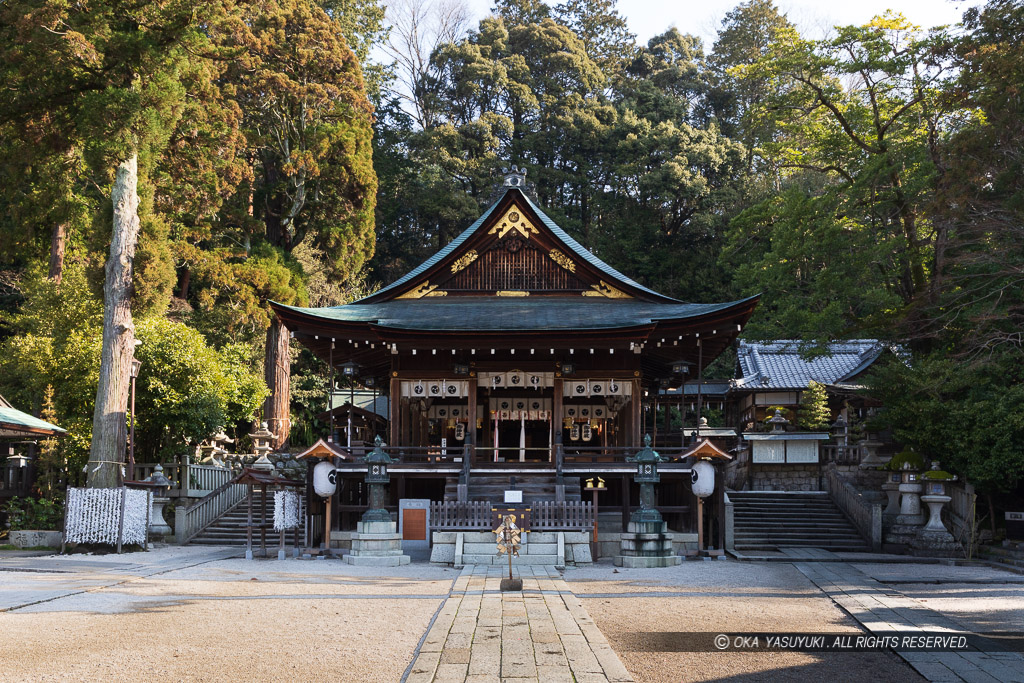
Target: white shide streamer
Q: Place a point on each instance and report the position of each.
(93, 515)
(287, 510)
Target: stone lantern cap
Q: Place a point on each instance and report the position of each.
(646, 454)
(377, 456)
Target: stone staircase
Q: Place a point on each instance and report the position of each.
(1005, 557)
(492, 487)
(230, 528)
(769, 520)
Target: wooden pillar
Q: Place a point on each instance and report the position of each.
(625, 500)
(394, 407)
(556, 411)
(471, 435)
(637, 436)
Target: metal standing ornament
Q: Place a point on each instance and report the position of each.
(509, 536)
(509, 541)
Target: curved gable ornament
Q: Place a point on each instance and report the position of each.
(606, 290)
(515, 221)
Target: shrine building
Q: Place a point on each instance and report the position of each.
(514, 357)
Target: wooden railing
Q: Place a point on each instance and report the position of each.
(548, 515)
(190, 481)
(544, 515)
(432, 454)
(449, 514)
(189, 521)
(865, 515)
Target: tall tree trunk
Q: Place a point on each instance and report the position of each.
(58, 242)
(277, 368)
(109, 433)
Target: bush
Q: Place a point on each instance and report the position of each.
(38, 514)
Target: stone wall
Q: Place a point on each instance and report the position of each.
(560, 548)
(796, 477)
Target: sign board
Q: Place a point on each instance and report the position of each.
(513, 496)
(522, 516)
(1015, 526)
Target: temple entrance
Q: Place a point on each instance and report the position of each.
(524, 441)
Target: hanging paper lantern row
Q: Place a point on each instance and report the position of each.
(435, 388)
(586, 388)
(585, 412)
(516, 379)
(521, 408)
(459, 413)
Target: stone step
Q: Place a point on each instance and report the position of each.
(495, 559)
(802, 538)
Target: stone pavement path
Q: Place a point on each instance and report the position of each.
(540, 634)
(882, 609)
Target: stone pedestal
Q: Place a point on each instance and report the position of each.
(910, 505)
(377, 544)
(933, 540)
(157, 526)
(646, 545)
(871, 459)
(892, 492)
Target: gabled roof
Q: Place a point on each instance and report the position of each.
(780, 365)
(513, 197)
(14, 423)
(480, 314)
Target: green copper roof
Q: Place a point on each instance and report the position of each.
(572, 245)
(499, 314)
(11, 419)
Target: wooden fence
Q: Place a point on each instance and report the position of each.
(865, 515)
(189, 480)
(544, 515)
(549, 515)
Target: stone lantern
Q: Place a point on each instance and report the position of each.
(262, 439)
(376, 542)
(160, 484)
(378, 478)
(646, 541)
(778, 422)
(933, 539)
(647, 476)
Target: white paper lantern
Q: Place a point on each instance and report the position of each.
(324, 479)
(703, 477)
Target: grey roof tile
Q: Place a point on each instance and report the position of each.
(779, 364)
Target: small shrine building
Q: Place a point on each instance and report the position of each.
(515, 357)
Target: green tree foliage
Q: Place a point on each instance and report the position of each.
(813, 414)
(187, 390)
(966, 416)
(856, 116)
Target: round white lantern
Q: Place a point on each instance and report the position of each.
(703, 476)
(324, 479)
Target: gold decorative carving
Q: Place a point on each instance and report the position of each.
(464, 260)
(606, 290)
(426, 289)
(562, 260)
(512, 292)
(513, 220)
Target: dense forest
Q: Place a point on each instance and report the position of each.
(867, 183)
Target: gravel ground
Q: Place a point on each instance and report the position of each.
(724, 597)
(226, 620)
